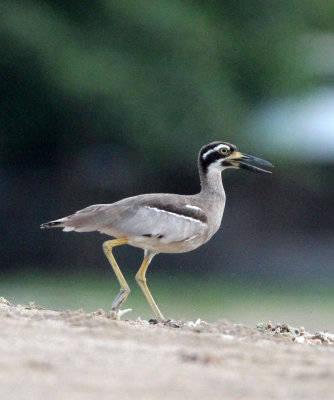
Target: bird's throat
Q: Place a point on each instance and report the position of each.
(211, 183)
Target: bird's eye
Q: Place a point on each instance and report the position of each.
(224, 150)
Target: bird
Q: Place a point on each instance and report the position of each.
(163, 222)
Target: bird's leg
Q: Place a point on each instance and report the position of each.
(141, 280)
(125, 289)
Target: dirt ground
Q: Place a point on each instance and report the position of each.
(53, 355)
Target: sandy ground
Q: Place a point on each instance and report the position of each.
(53, 355)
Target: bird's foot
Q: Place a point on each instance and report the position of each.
(120, 298)
(117, 314)
(153, 321)
(170, 323)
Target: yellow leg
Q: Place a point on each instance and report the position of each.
(141, 279)
(125, 289)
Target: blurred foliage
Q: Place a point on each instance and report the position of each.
(155, 77)
(108, 98)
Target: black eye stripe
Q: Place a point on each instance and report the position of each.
(211, 158)
(210, 153)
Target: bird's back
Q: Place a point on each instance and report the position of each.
(159, 222)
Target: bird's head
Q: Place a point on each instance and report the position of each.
(223, 155)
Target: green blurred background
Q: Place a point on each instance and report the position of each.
(102, 100)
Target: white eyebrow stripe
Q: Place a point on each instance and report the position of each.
(220, 146)
(194, 207)
(176, 215)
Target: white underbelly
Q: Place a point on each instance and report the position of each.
(159, 246)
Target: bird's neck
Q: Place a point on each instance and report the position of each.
(211, 183)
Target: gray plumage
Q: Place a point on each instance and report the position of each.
(160, 223)
(163, 223)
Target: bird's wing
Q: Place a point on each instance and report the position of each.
(170, 219)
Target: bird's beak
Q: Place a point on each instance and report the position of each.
(242, 160)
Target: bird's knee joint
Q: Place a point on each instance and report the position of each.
(140, 279)
(106, 246)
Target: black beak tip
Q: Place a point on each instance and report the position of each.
(253, 168)
(246, 163)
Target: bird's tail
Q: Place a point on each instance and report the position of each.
(88, 219)
(58, 223)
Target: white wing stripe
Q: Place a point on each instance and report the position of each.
(191, 238)
(176, 215)
(194, 207)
